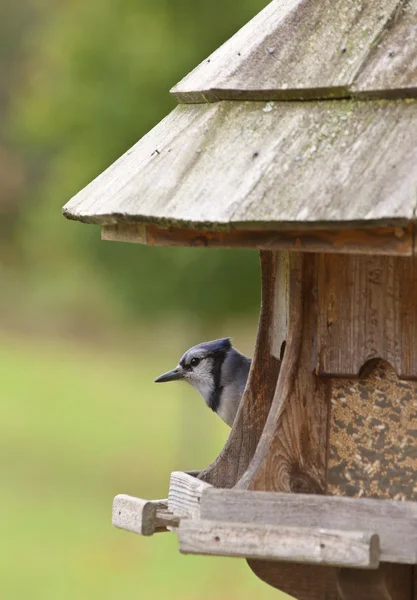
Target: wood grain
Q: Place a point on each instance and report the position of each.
(298, 49)
(271, 542)
(291, 165)
(256, 401)
(395, 522)
(185, 494)
(372, 240)
(291, 454)
(373, 426)
(367, 309)
(391, 67)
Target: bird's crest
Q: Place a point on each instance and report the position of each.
(221, 345)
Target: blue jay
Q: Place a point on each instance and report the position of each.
(218, 372)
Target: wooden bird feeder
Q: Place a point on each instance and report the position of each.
(298, 137)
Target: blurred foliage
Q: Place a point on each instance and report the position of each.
(66, 450)
(80, 82)
(93, 78)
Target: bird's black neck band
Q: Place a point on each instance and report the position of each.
(214, 401)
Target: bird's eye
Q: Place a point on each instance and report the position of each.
(194, 362)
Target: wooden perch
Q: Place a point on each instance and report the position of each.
(395, 522)
(272, 542)
(145, 517)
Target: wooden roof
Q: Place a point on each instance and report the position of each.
(346, 158)
(300, 49)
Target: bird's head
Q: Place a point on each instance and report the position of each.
(200, 366)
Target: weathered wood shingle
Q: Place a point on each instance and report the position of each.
(297, 49)
(252, 164)
(346, 162)
(392, 68)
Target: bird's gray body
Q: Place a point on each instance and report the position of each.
(218, 372)
(235, 371)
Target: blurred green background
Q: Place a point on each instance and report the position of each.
(85, 325)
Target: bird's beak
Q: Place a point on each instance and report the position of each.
(173, 375)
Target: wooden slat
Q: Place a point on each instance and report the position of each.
(292, 49)
(391, 69)
(292, 544)
(372, 240)
(291, 165)
(395, 522)
(185, 494)
(234, 459)
(367, 310)
(145, 517)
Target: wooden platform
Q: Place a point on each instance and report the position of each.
(322, 530)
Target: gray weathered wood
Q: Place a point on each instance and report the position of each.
(391, 69)
(247, 165)
(134, 514)
(295, 49)
(185, 494)
(145, 517)
(292, 544)
(394, 522)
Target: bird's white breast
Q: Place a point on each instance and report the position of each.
(227, 410)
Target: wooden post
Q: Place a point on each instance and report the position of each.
(355, 435)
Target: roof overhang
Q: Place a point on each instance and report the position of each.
(276, 173)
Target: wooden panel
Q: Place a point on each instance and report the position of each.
(373, 436)
(373, 427)
(379, 240)
(391, 70)
(395, 522)
(286, 165)
(307, 582)
(292, 49)
(244, 437)
(292, 544)
(291, 454)
(414, 596)
(185, 494)
(389, 582)
(367, 309)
